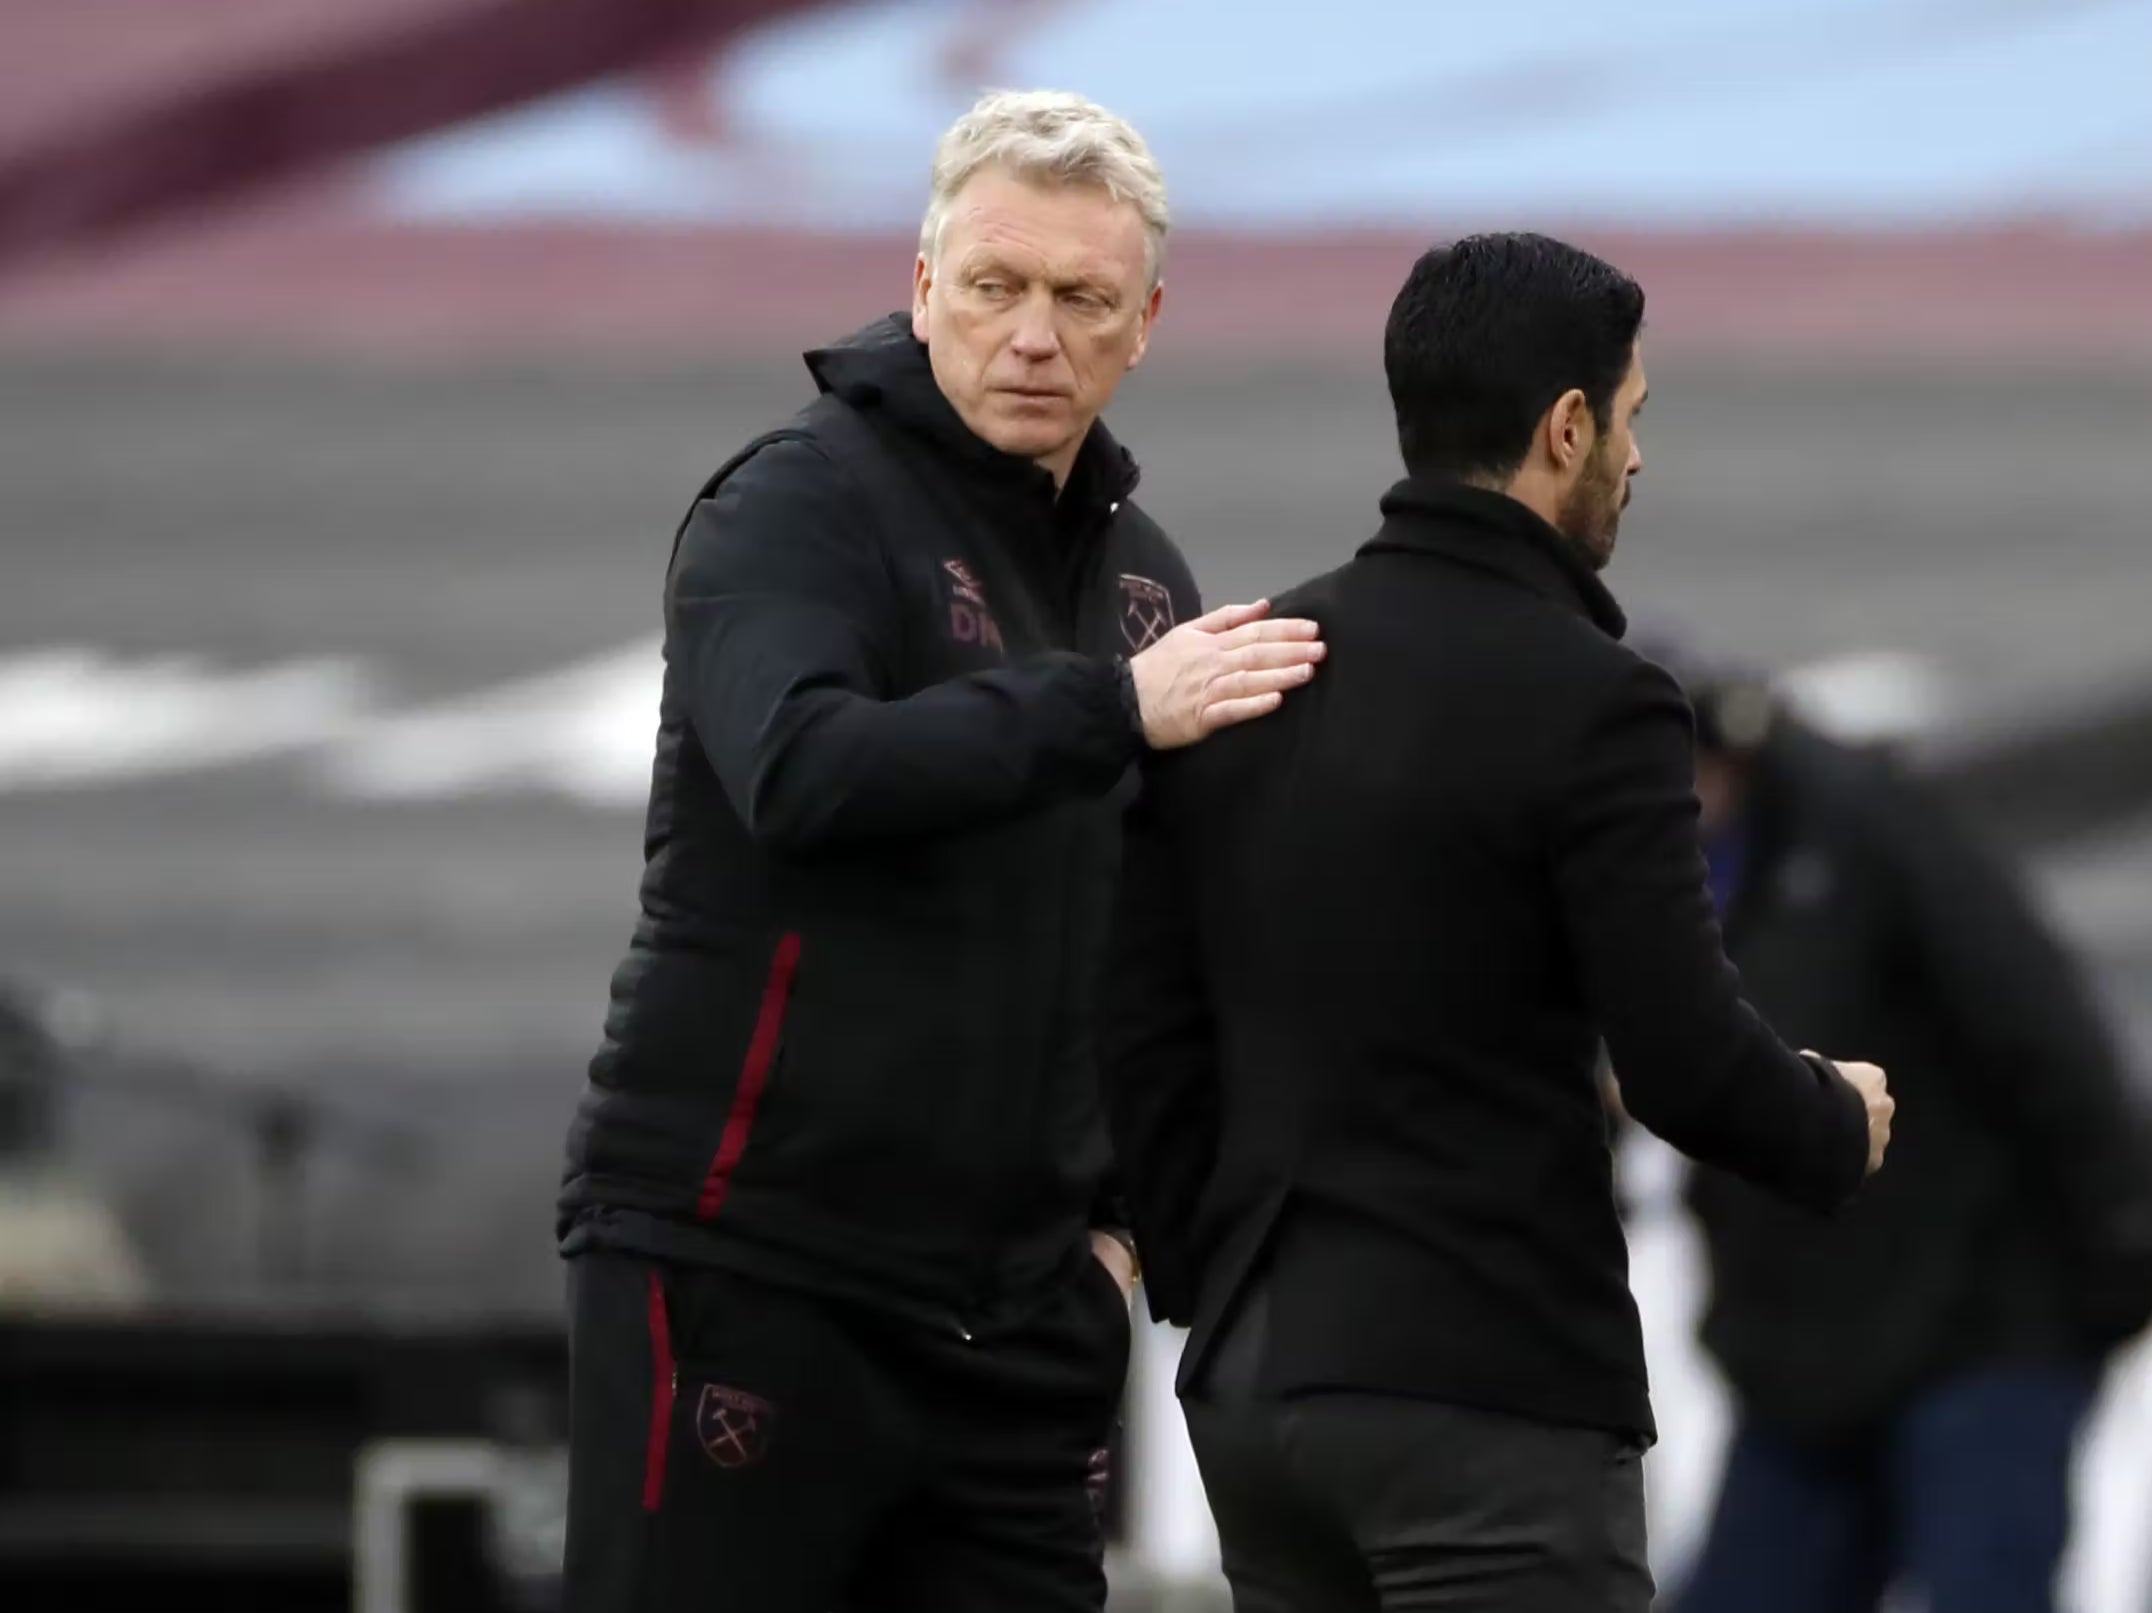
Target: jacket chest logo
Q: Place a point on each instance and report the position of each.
(1146, 612)
(970, 622)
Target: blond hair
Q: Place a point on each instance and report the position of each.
(1049, 137)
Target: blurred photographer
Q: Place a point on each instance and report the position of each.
(1910, 1377)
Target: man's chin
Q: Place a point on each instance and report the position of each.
(1593, 546)
(1600, 551)
(1028, 439)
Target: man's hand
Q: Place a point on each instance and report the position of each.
(1220, 669)
(1112, 1253)
(1868, 1081)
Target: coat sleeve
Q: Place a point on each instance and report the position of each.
(2035, 1044)
(1110, 1205)
(782, 622)
(1697, 1066)
(1159, 1052)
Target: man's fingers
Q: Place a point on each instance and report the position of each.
(1264, 657)
(1255, 663)
(1226, 713)
(1289, 629)
(1264, 681)
(1227, 617)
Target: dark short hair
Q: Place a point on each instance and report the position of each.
(1487, 333)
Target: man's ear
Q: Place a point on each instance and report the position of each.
(1151, 305)
(922, 283)
(1570, 430)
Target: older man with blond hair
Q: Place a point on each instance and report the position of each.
(848, 1277)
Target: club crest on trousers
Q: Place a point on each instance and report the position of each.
(733, 1426)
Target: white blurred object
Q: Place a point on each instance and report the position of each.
(63, 1250)
(1689, 1399)
(1869, 696)
(1170, 1530)
(2108, 1568)
(586, 731)
(71, 716)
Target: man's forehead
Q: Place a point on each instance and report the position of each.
(1044, 255)
(1078, 228)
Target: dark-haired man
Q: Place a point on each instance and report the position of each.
(1366, 954)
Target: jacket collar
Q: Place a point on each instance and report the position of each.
(884, 367)
(1492, 532)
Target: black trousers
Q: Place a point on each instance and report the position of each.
(739, 1446)
(1362, 1503)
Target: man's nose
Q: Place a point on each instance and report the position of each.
(1036, 335)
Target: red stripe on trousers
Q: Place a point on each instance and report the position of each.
(661, 1398)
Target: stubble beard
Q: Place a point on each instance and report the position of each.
(1590, 517)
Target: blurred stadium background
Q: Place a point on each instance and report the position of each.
(356, 357)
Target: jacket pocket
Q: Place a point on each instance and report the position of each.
(763, 1047)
